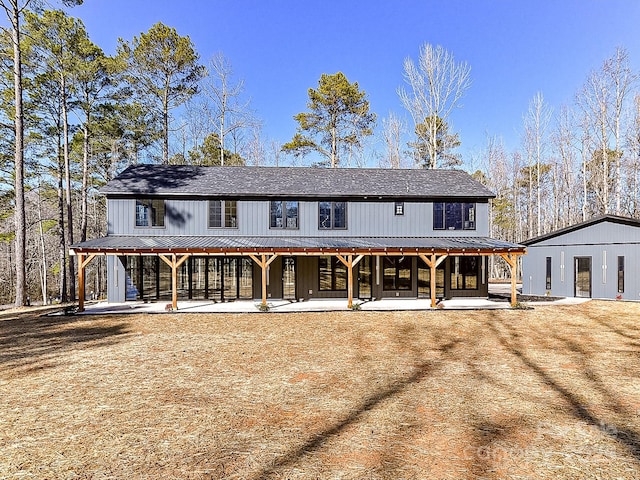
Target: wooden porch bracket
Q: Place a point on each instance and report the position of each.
(349, 262)
(174, 262)
(512, 261)
(264, 261)
(432, 263)
(82, 263)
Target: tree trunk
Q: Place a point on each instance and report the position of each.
(62, 244)
(20, 221)
(165, 128)
(67, 174)
(43, 250)
(85, 179)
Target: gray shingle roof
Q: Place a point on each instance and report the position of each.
(299, 182)
(198, 243)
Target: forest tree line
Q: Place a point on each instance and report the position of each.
(73, 117)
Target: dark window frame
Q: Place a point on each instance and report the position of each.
(227, 214)
(398, 266)
(151, 208)
(465, 271)
(620, 273)
(454, 215)
(285, 207)
(548, 274)
(398, 208)
(332, 216)
(334, 272)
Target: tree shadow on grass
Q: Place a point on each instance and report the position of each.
(318, 440)
(624, 436)
(421, 369)
(29, 342)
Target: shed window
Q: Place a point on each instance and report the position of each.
(620, 274)
(548, 275)
(149, 213)
(399, 208)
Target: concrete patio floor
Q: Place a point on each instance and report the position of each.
(317, 305)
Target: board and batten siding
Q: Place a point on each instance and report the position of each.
(603, 243)
(365, 218)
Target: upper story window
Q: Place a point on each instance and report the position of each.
(332, 215)
(284, 214)
(454, 216)
(399, 208)
(223, 214)
(149, 213)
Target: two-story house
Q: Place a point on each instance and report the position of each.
(227, 233)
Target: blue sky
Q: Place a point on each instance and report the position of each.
(281, 47)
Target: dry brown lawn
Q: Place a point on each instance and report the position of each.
(552, 392)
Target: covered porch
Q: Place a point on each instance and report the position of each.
(263, 251)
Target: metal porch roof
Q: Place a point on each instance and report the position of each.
(242, 244)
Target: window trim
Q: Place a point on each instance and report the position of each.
(548, 274)
(620, 272)
(467, 215)
(148, 204)
(283, 208)
(223, 214)
(333, 262)
(332, 218)
(398, 209)
(396, 277)
(464, 273)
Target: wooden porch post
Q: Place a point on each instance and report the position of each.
(174, 263)
(512, 261)
(80, 282)
(82, 263)
(264, 261)
(432, 263)
(349, 262)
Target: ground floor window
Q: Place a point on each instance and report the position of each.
(424, 280)
(464, 273)
(215, 278)
(396, 273)
(332, 274)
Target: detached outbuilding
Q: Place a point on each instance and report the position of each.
(599, 258)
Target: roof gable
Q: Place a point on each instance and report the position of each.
(299, 182)
(632, 222)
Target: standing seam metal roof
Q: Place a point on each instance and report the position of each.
(185, 243)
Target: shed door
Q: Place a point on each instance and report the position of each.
(582, 278)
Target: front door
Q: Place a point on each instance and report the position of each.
(582, 277)
(289, 278)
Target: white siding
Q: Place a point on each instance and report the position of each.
(601, 241)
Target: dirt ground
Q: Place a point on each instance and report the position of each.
(552, 392)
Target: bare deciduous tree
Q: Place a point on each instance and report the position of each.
(436, 86)
(535, 123)
(230, 113)
(393, 128)
(621, 78)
